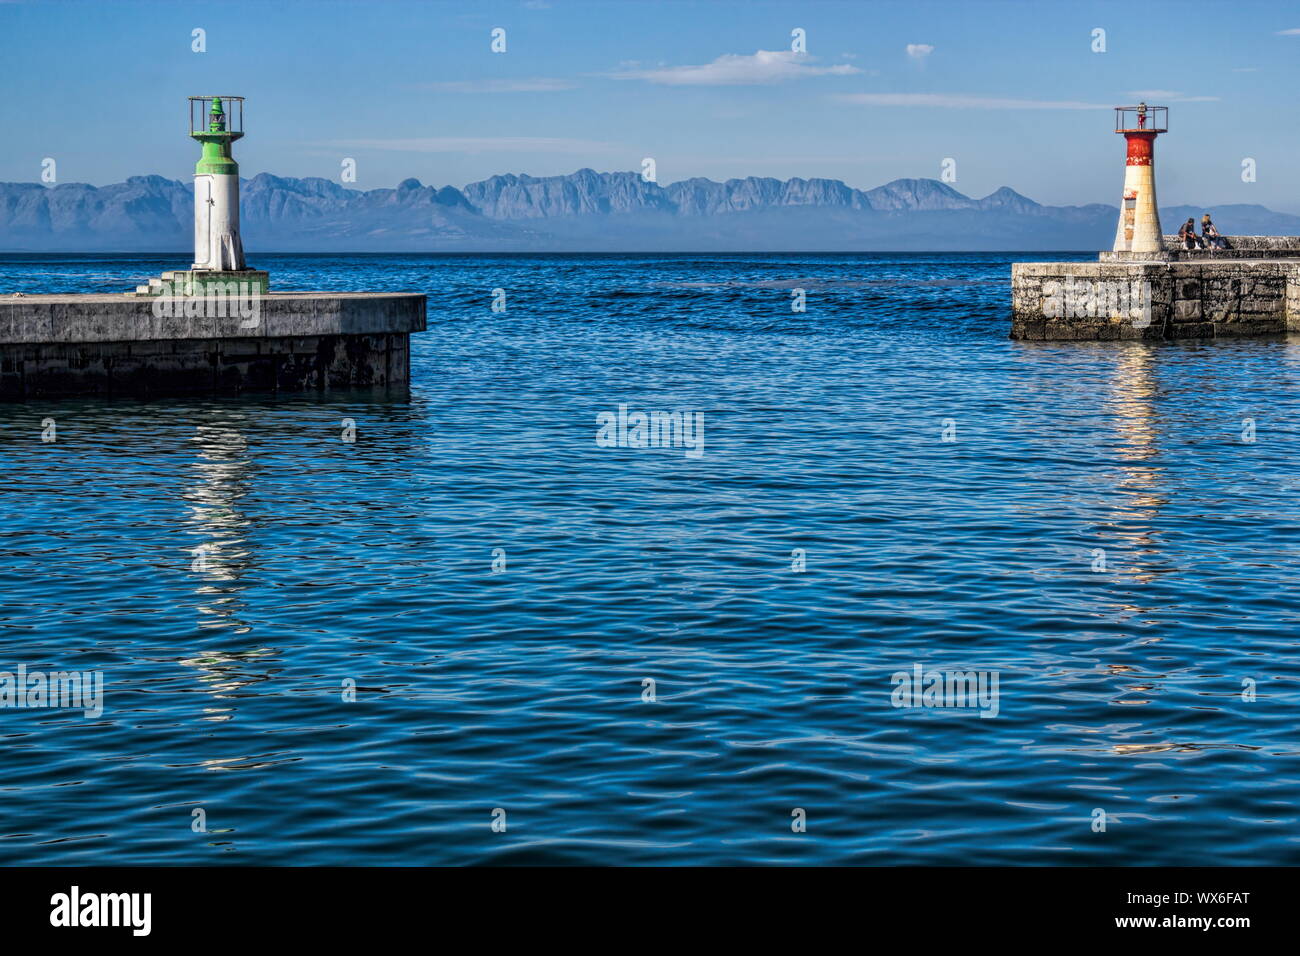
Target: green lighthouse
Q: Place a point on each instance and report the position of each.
(217, 247)
(219, 267)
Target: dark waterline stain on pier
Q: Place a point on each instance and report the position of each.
(325, 561)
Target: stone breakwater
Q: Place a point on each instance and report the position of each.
(53, 345)
(1251, 289)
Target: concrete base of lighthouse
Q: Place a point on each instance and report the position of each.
(203, 282)
(55, 345)
(1252, 289)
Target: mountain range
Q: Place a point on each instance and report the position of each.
(582, 211)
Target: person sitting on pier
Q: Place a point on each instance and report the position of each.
(1188, 234)
(1210, 235)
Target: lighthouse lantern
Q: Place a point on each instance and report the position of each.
(1139, 219)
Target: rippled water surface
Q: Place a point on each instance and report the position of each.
(1099, 534)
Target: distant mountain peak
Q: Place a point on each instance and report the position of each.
(152, 180)
(917, 195)
(1007, 198)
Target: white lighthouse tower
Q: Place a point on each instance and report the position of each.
(217, 247)
(1139, 219)
(219, 266)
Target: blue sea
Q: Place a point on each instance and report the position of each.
(477, 634)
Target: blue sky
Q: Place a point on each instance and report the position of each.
(1012, 91)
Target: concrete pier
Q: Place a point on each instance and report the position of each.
(52, 345)
(1252, 288)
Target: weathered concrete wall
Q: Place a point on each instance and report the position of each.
(162, 366)
(1243, 247)
(1062, 301)
(66, 345)
(40, 319)
(1292, 273)
(1264, 247)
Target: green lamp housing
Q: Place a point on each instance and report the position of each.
(216, 122)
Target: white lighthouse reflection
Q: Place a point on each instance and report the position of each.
(1140, 485)
(221, 556)
(221, 559)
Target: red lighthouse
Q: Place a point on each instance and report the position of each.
(1139, 219)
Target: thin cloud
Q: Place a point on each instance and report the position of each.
(480, 144)
(539, 84)
(919, 51)
(1171, 96)
(1293, 32)
(734, 69)
(962, 101)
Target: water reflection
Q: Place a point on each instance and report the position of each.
(1140, 483)
(1291, 357)
(222, 559)
(221, 556)
(1140, 496)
